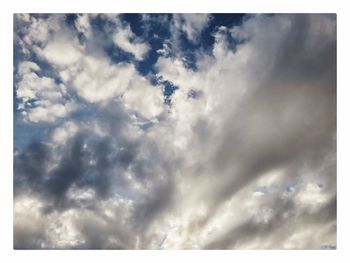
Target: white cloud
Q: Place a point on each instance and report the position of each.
(145, 99)
(60, 52)
(44, 111)
(88, 72)
(97, 80)
(83, 24)
(27, 67)
(129, 42)
(38, 30)
(49, 38)
(313, 197)
(42, 99)
(61, 134)
(27, 221)
(165, 51)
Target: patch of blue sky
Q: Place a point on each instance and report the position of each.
(154, 34)
(118, 55)
(25, 133)
(218, 20)
(134, 20)
(70, 20)
(100, 24)
(168, 87)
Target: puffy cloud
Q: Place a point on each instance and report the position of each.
(97, 80)
(72, 228)
(82, 23)
(129, 42)
(165, 51)
(250, 132)
(60, 53)
(144, 99)
(42, 99)
(27, 222)
(91, 182)
(61, 134)
(81, 69)
(27, 67)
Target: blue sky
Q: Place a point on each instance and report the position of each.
(174, 131)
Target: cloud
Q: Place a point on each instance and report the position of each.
(83, 70)
(61, 134)
(53, 53)
(250, 131)
(42, 99)
(82, 23)
(165, 50)
(97, 80)
(84, 179)
(27, 67)
(129, 42)
(257, 105)
(191, 24)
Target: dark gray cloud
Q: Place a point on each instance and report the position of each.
(30, 166)
(98, 162)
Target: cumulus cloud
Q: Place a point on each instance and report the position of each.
(42, 99)
(80, 68)
(61, 134)
(129, 42)
(82, 23)
(97, 80)
(242, 157)
(53, 53)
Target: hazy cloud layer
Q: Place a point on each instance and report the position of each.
(175, 131)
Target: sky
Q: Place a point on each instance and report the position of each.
(174, 131)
